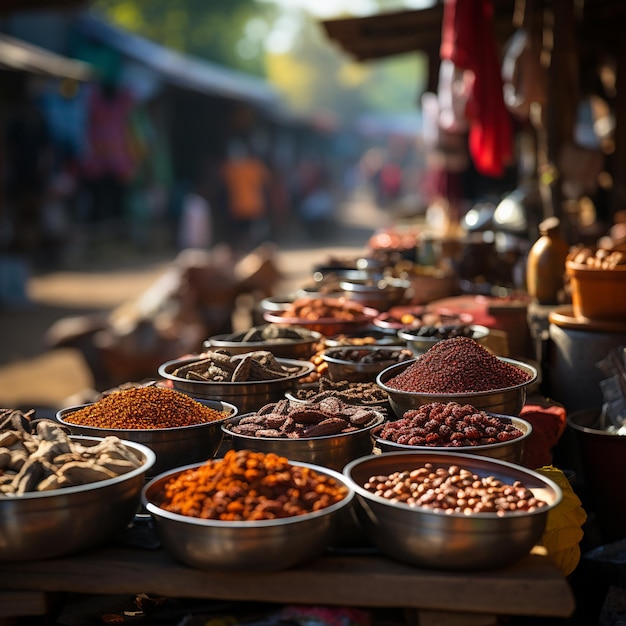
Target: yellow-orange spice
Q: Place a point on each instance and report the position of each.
(247, 486)
(147, 407)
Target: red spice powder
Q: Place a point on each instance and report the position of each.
(458, 365)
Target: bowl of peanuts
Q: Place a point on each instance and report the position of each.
(329, 432)
(326, 315)
(460, 370)
(241, 512)
(454, 427)
(177, 428)
(449, 510)
(61, 494)
(248, 380)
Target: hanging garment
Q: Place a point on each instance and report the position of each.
(468, 41)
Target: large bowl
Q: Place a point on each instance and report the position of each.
(421, 343)
(362, 370)
(284, 348)
(327, 326)
(247, 396)
(505, 401)
(173, 447)
(332, 451)
(510, 451)
(48, 524)
(264, 545)
(450, 541)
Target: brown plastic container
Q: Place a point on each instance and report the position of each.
(597, 293)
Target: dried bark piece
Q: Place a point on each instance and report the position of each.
(330, 426)
(243, 370)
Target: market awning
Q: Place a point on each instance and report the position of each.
(19, 55)
(179, 69)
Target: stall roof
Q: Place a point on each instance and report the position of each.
(178, 69)
(19, 55)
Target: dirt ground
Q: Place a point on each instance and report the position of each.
(33, 376)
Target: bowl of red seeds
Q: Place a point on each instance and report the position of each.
(454, 427)
(458, 370)
(176, 427)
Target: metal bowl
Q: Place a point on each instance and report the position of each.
(172, 446)
(48, 524)
(327, 326)
(285, 348)
(420, 344)
(427, 538)
(265, 545)
(361, 371)
(380, 294)
(332, 451)
(510, 451)
(506, 401)
(368, 335)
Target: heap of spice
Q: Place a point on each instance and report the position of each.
(458, 365)
(142, 408)
(249, 486)
(448, 424)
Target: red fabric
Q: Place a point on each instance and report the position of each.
(548, 422)
(467, 40)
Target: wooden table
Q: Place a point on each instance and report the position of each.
(532, 587)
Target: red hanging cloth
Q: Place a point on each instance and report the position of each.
(467, 40)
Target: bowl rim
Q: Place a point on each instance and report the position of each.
(306, 366)
(487, 446)
(532, 370)
(458, 459)
(157, 511)
(234, 410)
(381, 417)
(150, 460)
(223, 341)
(408, 334)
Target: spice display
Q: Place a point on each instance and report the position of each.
(141, 408)
(324, 308)
(448, 424)
(271, 333)
(248, 486)
(458, 365)
(454, 489)
(38, 455)
(221, 366)
(350, 392)
(369, 355)
(284, 419)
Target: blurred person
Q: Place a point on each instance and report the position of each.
(246, 180)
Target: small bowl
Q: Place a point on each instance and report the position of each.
(449, 541)
(172, 446)
(332, 451)
(506, 401)
(510, 451)
(369, 335)
(380, 294)
(284, 348)
(341, 368)
(247, 396)
(264, 545)
(277, 303)
(48, 524)
(421, 343)
(327, 326)
(418, 316)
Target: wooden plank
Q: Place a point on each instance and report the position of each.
(531, 587)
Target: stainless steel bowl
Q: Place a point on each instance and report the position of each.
(173, 447)
(455, 541)
(246, 396)
(47, 524)
(380, 294)
(361, 371)
(506, 401)
(332, 451)
(510, 451)
(265, 545)
(420, 344)
(303, 348)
